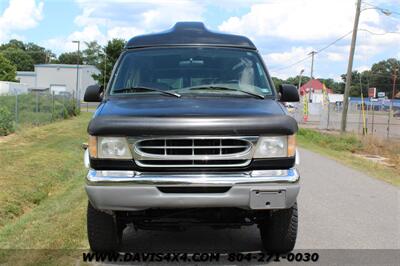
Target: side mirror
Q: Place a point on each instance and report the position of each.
(93, 93)
(289, 93)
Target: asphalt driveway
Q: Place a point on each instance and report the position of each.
(339, 208)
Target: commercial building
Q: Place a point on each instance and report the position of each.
(11, 88)
(60, 78)
(315, 86)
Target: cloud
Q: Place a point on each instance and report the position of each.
(332, 56)
(301, 20)
(65, 44)
(287, 57)
(124, 32)
(279, 62)
(151, 15)
(362, 68)
(87, 34)
(284, 64)
(104, 20)
(19, 15)
(290, 28)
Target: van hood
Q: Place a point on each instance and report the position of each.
(134, 116)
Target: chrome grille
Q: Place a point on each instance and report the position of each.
(193, 151)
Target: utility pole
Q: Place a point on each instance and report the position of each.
(312, 53)
(394, 82)
(350, 69)
(78, 98)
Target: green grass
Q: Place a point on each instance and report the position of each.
(343, 148)
(42, 200)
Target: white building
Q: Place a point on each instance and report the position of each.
(27, 77)
(59, 77)
(318, 97)
(12, 88)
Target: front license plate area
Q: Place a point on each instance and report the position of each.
(267, 199)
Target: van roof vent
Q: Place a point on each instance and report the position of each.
(189, 34)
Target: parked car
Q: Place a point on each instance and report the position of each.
(191, 131)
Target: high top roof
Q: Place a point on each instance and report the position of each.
(189, 33)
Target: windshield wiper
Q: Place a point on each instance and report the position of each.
(144, 88)
(217, 87)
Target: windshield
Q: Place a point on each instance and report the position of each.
(192, 71)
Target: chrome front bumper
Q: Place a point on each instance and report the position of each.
(131, 190)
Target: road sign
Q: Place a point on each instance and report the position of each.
(381, 94)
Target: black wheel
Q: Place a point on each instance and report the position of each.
(103, 231)
(279, 230)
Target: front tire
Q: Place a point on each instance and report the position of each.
(102, 229)
(279, 230)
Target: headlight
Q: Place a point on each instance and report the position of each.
(275, 147)
(109, 148)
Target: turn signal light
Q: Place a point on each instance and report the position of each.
(291, 145)
(93, 146)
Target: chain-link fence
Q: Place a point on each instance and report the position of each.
(378, 118)
(34, 108)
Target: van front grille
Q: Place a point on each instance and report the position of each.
(193, 151)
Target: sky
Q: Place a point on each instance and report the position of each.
(284, 31)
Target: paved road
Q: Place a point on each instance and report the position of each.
(339, 208)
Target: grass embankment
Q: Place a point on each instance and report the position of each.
(347, 148)
(42, 200)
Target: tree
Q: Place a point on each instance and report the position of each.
(381, 76)
(295, 80)
(39, 54)
(36, 53)
(8, 71)
(359, 83)
(337, 87)
(277, 82)
(13, 44)
(70, 58)
(291, 80)
(92, 54)
(109, 56)
(19, 58)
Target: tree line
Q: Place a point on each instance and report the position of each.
(380, 76)
(19, 56)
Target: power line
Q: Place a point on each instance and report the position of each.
(293, 64)
(308, 56)
(380, 33)
(381, 8)
(338, 39)
(378, 75)
(331, 44)
(335, 41)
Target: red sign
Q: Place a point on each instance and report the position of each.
(372, 92)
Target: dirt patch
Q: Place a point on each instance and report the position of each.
(377, 159)
(376, 149)
(6, 138)
(388, 149)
